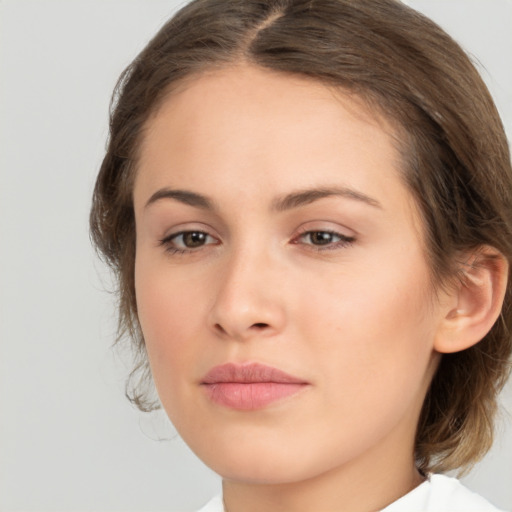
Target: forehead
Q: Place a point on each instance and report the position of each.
(251, 93)
(247, 128)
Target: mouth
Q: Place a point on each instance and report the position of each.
(249, 386)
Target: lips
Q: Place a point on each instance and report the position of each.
(249, 386)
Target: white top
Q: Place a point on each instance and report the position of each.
(439, 493)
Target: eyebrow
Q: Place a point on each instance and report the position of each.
(287, 202)
(183, 196)
(307, 196)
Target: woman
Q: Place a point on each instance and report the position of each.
(308, 206)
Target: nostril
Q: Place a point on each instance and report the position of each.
(240, 332)
(260, 325)
(221, 329)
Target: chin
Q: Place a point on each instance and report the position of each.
(244, 459)
(261, 471)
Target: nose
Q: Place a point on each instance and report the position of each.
(249, 301)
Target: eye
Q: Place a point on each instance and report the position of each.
(321, 240)
(187, 241)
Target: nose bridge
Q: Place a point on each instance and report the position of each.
(247, 301)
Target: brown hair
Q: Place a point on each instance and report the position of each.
(456, 162)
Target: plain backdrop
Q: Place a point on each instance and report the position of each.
(69, 440)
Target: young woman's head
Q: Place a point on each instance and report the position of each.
(322, 187)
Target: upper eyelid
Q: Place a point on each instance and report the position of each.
(330, 231)
(329, 227)
(182, 232)
(188, 227)
(342, 236)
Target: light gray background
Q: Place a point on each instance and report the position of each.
(69, 441)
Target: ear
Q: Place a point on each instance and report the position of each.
(474, 304)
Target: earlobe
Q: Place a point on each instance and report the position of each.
(475, 302)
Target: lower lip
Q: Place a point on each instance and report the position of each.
(250, 396)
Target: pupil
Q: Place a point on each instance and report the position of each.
(194, 239)
(321, 238)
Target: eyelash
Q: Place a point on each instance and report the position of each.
(167, 242)
(344, 241)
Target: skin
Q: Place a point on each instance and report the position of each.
(357, 320)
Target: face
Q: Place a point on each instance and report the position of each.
(281, 281)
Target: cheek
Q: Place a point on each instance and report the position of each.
(372, 326)
(370, 340)
(168, 311)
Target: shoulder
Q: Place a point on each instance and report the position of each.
(441, 493)
(214, 505)
(449, 492)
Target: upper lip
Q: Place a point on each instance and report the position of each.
(249, 373)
